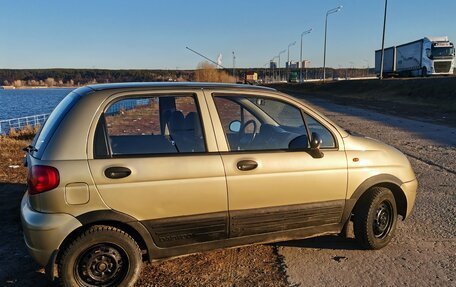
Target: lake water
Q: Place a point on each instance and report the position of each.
(28, 102)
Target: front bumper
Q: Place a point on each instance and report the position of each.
(44, 232)
(409, 189)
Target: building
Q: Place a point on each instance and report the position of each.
(292, 65)
(297, 65)
(306, 64)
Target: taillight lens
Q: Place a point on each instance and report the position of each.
(42, 178)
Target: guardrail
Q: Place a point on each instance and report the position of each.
(127, 105)
(32, 121)
(20, 123)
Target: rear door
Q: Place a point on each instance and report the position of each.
(154, 159)
(271, 188)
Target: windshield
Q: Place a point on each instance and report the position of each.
(442, 52)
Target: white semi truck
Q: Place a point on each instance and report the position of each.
(423, 57)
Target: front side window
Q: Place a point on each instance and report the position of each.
(152, 125)
(327, 139)
(258, 123)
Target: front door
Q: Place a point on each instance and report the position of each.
(152, 162)
(271, 188)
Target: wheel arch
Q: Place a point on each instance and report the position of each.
(399, 196)
(383, 180)
(115, 219)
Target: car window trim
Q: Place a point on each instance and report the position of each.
(307, 127)
(105, 130)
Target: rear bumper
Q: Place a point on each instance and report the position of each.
(44, 232)
(409, 189)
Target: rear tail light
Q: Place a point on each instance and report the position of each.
(42, 178)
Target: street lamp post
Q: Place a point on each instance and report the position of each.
(352, 68)
(265, 72)
(234, 66)
(288, 59)
(383, 41)
(273, 70)
(331, 11)
(300, 55)
(280, 74)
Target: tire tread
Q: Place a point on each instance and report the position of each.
(88, 232)
(361, 220)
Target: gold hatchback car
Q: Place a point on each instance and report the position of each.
(123, 173)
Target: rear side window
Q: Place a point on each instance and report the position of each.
(42, 138)
(150, 125)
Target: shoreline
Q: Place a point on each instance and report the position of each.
(37, 87)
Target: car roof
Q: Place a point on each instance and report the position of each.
(170, 85)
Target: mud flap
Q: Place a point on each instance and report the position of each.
(49, 269)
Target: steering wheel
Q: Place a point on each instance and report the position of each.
(246, 139)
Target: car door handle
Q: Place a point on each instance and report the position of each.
(116, 172)
(245, 165)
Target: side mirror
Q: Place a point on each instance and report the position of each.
(315, 143)
(299, 143)
(235, 126)
(260, 102)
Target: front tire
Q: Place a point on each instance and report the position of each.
(375, 218)
(100, 256)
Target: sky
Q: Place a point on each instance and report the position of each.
(137, 34)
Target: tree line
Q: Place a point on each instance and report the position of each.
(79, 77)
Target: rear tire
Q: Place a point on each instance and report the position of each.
(100, 256)
(375, 218)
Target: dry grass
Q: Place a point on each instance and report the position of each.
(27, 133)
(12, 156)
(432, 99)
(11, 159)
(206, 72)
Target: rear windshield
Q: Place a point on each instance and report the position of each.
(42, 138)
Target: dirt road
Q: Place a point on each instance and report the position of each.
(423, 252)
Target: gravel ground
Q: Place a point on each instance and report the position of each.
(259, 265)
(423, 250)
(422, 253)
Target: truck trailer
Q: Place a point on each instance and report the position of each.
(423, 57)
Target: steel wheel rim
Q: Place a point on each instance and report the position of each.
(383, 219)
(101, 265)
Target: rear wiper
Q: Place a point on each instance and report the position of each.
(29, 149)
